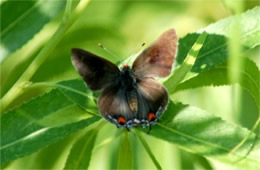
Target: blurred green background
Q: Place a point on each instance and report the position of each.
(122, 26)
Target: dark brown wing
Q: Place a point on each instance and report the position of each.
(97, 72)
(113, 103)
(157, 60)
(153, 98)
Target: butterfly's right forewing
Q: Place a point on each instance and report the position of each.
(97, 72)
(157, 60)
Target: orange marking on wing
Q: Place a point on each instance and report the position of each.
(121, 120)
(151, 117)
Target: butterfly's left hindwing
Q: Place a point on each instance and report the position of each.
(114, 107)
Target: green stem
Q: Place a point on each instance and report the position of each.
(245, 139)
(148, 149)
(68, 9)
(17, 88)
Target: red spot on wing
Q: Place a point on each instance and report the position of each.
(121, 120)
(151, 117)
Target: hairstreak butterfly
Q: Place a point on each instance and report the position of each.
(130, 95)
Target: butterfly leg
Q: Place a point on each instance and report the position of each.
(150, 128)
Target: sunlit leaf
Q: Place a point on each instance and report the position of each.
(180, 73)
(202, 133)
(38, 123)
(219, 76)
(86, 99)
(213, 52)
(25, 19)
(81, 151)
(250, 27)
(125, 156)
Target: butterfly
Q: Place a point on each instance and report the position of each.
(130, 96)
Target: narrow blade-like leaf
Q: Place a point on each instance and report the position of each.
(202, 133)
(81, 151)
(38, 123)
(125, 156)
(250, 27)
(180, 73)
(21, 20)
(219, 76)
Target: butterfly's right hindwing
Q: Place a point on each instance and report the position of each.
(152, 98)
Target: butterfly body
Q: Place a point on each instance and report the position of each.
(127, 79)
(130, 96)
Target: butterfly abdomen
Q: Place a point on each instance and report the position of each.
(132, 100)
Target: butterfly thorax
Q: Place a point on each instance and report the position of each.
(127, 79)
(129, 85)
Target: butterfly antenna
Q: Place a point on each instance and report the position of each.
(109, 52)
(136, 52)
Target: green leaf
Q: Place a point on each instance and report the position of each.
(85, 99)
(148, 150)
(215, 51)
(180, 73)
(203, 162)
(22, 20)
(219, 76)
(81, 151)
(202, 133)
(125, 156)
(250, 27)
(41, 121)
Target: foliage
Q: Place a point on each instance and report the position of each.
(37, 113)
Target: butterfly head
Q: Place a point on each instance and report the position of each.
(127, 79)
(125, 66)
(126, 70)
